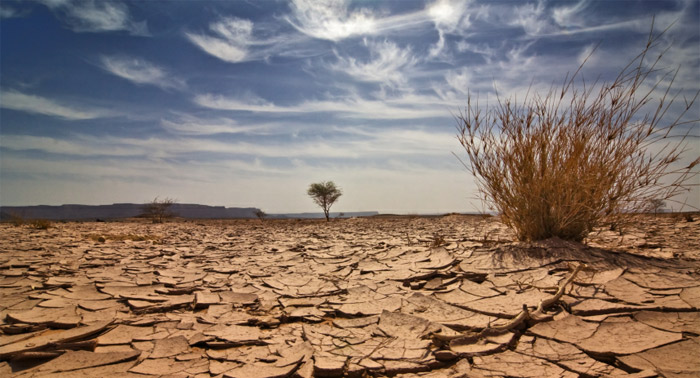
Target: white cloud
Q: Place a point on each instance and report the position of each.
(573, 19)
(449, 15)
(347, 143)
(512, 72)
(78, 146)
(233, 39)
(588, 56)
(190, 125)
(485, 50)
(334, 20)
(233, 29)
(532, 18)
(401, 141)
(244, 103)
(219, 48)
(460, 80)
(53, 4)
(569, 16)
(96, 16)
(405, 107)
(387, 63)
(40, 105)
(140, 71)
(230, 42)
(8, 12)
(330, 19)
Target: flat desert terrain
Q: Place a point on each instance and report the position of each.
(450, 296)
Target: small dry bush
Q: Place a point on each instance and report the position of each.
(578, 157)
(158, 210)
(40, 224)
(17, 220)
(437, 241)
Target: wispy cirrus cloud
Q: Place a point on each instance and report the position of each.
(448, 16)
(233, 39)
(387, 64)
(352, 143)
(9, 12)
(460, 80)
(568, 16)
(96, 16)
(502, 74)
(140, 71)
(79, 145)
(541, 19)
(404, 107)
(40, 105)
(185, 124)
(335, 20)
(230, 40)
(330, 19)
(533, 18)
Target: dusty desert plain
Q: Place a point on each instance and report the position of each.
(449, 296)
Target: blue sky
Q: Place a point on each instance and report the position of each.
(244, 103)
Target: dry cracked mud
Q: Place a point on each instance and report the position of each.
(448, 296)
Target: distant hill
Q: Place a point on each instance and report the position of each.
(130, 210)
(121, 210)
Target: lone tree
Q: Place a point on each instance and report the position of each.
(565, 162)
(656, 205)
(324, 194)
(158, 210)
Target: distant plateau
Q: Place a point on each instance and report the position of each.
(130, 210)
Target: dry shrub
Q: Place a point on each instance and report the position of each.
(578, 157)
(158, 210)
(40, 224)
(437, 240)
(17, 220)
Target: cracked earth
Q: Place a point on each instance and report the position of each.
(448, 296)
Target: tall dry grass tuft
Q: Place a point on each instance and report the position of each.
(580, 156)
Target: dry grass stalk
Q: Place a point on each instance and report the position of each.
(578, 158)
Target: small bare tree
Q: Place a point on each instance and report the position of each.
(577, 158)
(158, 210)
(260, 214)
(324, 194)
(656, 205)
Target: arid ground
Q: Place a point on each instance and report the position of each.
(449, 296)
